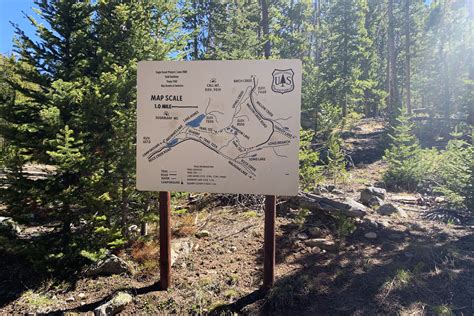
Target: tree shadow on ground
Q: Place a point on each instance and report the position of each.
(28, 263)
(411, 272)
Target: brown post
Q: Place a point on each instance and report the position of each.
(165, 240)
(269, 242)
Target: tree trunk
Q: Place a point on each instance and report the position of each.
(266, 28)
(393, 99)
(124, 205)
(407, 55)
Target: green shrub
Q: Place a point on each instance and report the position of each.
(454, 174)
(310, 173)
(402, 157)
(449, 171)
(336, 166)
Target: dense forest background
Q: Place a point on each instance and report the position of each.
(68, 100)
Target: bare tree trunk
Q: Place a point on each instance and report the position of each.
(266, 28)
(318, 25)
(407, 53)
(124, 205)
(393, 99)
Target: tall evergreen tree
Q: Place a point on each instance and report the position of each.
(346, 44)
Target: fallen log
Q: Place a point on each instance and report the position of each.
(313, 202)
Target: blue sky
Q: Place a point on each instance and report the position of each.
(11, 10)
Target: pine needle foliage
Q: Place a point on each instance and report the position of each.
(311, 174)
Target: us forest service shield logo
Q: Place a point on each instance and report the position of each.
(283, 81)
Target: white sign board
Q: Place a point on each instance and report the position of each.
(219, 126)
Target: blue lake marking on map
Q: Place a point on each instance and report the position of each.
(197, 121)
(172, 142)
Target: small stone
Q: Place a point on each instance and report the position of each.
(109, 266)
(302, 236)
(371, 235)
(389, 209)
(70, 299)
(233, 248)
(321, 243)
(368, 193)
(337, 192)
(81, 296)
(356, 208)
(315, 232)
(115, 305)
(203, 234)
(315, 250)
(375, 202)
(330, 187)
(8, 225)
(440, 199)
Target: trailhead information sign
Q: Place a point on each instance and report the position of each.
(219, 126)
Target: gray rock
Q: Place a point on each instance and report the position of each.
(440, 199)
(337, 192)
(109, 266)
(180, 248)
(81, 296)
(389, 209)
(302, 236)
(9, 225)
(321, 243)
(70, 299)
(315, 232)
(355, 206)
(115, 305)
(375, 202)
(203, 234)
(370, 235)
(368, 193)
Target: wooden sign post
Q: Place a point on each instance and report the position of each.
(165, 240)
(269, 242)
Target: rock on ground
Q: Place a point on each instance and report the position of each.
(202, 234)
(109, 266)
(115, 305)
(355, 206)
(180, 248)
(371, 235)
(9, 225)
(370, 192)
(389, 209)
(321, 243)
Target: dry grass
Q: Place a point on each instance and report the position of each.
(143, 251)
(185, 225)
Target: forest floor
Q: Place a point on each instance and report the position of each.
(419, 264)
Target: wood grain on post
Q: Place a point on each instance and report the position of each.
(165, 240)
(269, 242)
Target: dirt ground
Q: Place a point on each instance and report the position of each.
(414, 265)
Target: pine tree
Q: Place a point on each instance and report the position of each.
(345, 45)
(81, 77)
(402, 156)
(49, 88)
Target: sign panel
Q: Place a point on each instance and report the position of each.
(219, 126)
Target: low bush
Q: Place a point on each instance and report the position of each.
(448, 172)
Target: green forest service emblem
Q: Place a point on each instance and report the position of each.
(283, 81)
